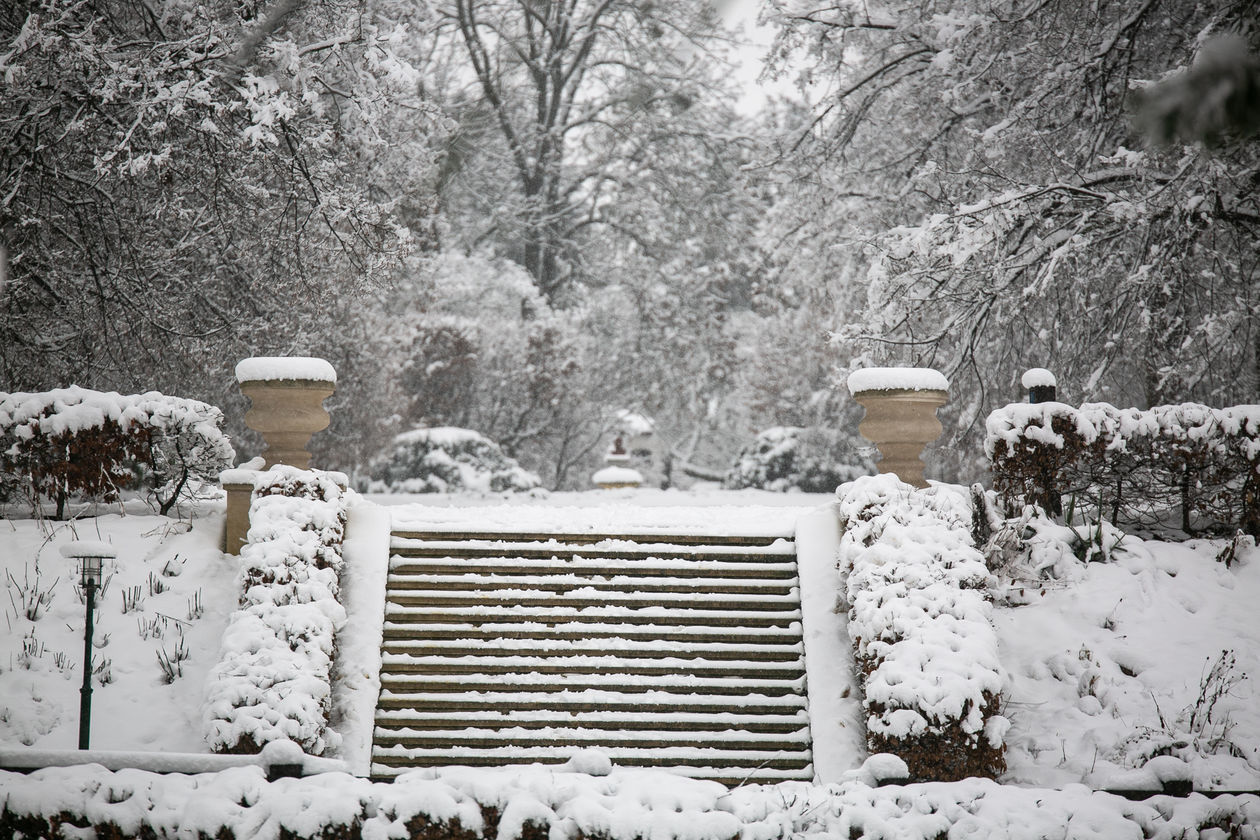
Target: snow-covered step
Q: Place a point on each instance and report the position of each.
(509, 629)
(400, 583)
(789, 720)
(521, 647)
(583, 598)
(651, 567)
(590, 700)
(611, 663)
(623, 683)
(658, 615)
(623, 551)
(626, 650)
(411, 738)
(594, 538)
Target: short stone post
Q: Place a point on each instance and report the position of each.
(1040, 384)
(287, 394)
(900, 417)
(239, 486)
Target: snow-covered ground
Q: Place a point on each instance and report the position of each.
(1106, 664)
(1103, 661)
(169, 594)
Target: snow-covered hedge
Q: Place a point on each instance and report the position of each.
(786, 458)
(1197, 464)
(531, 803)
(273, 679)
(75, 442)
(919, 620)
(448, 460)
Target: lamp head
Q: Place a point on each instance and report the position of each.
(90, 555)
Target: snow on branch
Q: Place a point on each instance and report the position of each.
(919, 622)
(273, 680)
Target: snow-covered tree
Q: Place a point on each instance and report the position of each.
(980, 158)
(184, 181)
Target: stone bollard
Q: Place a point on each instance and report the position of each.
(287, 394)
(239, 485)
(1040, 384)
(900, 417)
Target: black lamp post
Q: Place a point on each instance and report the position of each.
(90, 556)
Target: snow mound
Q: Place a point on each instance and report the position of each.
(897, 379)
(1037, 378)
(297, 368)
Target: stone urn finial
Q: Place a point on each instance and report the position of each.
(900, 418)
(287, 393)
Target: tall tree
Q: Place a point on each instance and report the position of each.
(557, 96)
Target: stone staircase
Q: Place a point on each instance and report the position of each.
(675, 651)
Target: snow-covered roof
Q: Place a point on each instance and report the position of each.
(897, 379)
(267, 368)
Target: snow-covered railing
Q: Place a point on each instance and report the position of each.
(583, 800)
(1136, 466)
(273, 679)
(77, 442)
(919, 622)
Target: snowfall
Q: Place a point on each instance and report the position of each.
(1118, 675)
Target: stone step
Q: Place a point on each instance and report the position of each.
(747, 760)
(789, 721)
(589, 701)
(509, 630)
(534, 551)
(490, 663)
(518, 682)
(604, 739)
(656, 567)
(591, 538)
(401, 583)
(593, 615)
(560, 650)
(580, 599)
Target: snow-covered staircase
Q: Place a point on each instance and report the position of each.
(680, 652)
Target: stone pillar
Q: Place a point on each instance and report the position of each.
(240, 491)
(900, 417)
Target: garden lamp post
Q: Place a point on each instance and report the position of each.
(90, 555)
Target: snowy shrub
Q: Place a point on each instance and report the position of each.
(1188, 466)
(73, 442)
(448, 460)
(786, 458)
(532, 803)
(273, 679)
(1033, 448)
(919, 622)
